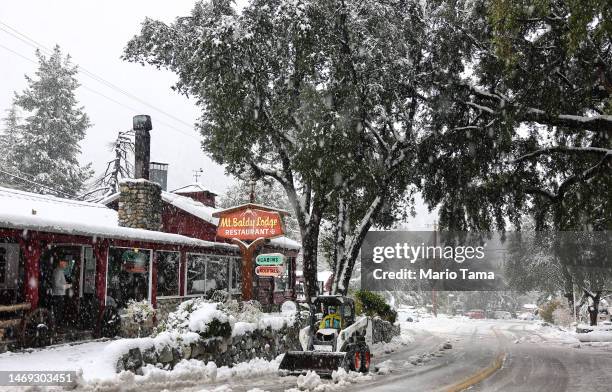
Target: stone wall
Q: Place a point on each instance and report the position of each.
(227, 351)
(140, 205)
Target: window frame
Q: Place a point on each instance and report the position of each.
(178, 274)
(150, 270)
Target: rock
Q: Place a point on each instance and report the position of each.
(120, 365)
(447, 346)
(150, 356)
(165, 355)
(134, 362)
(186, 352)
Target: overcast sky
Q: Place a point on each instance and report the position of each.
(94, 33)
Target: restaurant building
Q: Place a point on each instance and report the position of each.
(142, 243)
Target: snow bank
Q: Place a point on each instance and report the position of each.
(186, 373)
(340, 379)
(595, 336)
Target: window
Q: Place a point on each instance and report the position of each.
(236, 274)
(168, 273)
(128, 275)
(206, 273)
(89, 271)
(9, 265)
(216, 273)
(196, 274)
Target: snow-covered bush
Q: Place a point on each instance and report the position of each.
(139, 311)
(563, 316)
(200, 316)
(250, 312)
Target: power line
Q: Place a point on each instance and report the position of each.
(35, 183)
(31, 42)
(132, 109)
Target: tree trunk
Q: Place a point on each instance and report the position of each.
(594, 308)
(346, 259)
(310, 247)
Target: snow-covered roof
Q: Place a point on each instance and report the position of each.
(206, 213)
(192, 188)
(32, 211)
(285, 242)
(254, 206)
(191, 206)
(322, 276)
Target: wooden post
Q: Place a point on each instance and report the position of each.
(32, 250)
(182, 273)
(247, 250)
(154, 279)
(100, 249)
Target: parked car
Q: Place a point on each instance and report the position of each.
(476, 314)
(528, 316)
(502, 315)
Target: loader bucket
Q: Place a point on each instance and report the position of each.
(321, 362)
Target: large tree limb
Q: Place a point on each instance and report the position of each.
(579, 177)
(498, 102)
(563, 150)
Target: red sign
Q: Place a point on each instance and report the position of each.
(250, 224)
(269, 270)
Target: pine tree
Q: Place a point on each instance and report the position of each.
(8, 139)
(44, 153)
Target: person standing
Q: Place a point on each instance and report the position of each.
(59, 292)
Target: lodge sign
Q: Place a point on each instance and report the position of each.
(250, 224)
(274, 271)
(270, 259)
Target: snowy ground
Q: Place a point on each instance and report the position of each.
(420, 347)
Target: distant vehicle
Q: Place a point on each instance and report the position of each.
(502, 315)
(476, 314)
(528, 316)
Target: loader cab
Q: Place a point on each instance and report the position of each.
(333, 312)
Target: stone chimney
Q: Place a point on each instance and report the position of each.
(140, 204)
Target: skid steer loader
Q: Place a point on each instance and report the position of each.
(333, 340)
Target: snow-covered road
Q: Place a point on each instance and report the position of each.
(536, 358)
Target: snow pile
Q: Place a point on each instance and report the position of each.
(197, 315)
(595, 336)
(544, 332)
(186, 373)
(340, 379)
(599, 333)
(395, 344)
(385, 367)
(308, 381)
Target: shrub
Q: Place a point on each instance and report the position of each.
(373, 304)
(546, 311)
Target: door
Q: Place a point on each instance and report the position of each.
(72, 256)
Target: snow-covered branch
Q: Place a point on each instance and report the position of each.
(563, 150)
